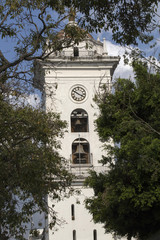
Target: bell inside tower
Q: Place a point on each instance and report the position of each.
(80, 151)
(79, 121)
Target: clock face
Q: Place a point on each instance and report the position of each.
(78, 93)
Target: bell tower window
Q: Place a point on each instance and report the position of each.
(79, 121)
(94, 234)
(74, 235)
(80, 151)
(76, 51)
(72, 212)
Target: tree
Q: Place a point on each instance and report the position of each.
(127, 196)
(31, 167)
(33, 27)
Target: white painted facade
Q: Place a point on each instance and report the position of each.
(61, 73)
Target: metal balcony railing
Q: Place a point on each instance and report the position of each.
(81, 168)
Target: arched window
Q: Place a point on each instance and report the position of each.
(80, 151)
(76, 51)
(79, 121)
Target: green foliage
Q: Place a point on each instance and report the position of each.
(33, 28)
(31, 167)
(28, 148)
(127, 197)
(128, 20)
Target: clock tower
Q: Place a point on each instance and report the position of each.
(71, 78)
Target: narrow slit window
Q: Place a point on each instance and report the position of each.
(94, 234)
(74, 235)
(76, 51)
(72, 212)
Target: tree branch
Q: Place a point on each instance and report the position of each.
(142, 121)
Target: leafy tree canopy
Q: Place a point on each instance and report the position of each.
(31, 28)
(127, 197)
(31, 167)
(32, 24)
(27, 158)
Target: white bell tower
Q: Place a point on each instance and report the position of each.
(72, 77)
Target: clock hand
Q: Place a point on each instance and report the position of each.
(78, 93)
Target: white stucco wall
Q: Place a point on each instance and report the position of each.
(83, 223)
(62, 73)
(63, 104)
